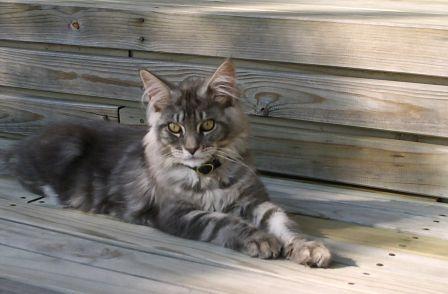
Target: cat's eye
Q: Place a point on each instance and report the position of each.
(207, 125)
(174, 128)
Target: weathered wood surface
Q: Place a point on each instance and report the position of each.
(50, 274)
(420, 7)
(76, 245)
(356, 37)
(8, 286)
(411, 216)
(365, 207)
(375, 162)
(386, 105)
(24, 115)
(308, 151)
(134, 114)
(399, 165)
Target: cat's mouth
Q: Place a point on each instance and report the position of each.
(194, 161)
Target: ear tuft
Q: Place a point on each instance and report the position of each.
(156, 91)
(223, 83)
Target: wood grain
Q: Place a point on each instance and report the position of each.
(375, 162)
(412, 216)
(169, 269)
(419, 216)
(307, 151)
(435, 7)
(8, 286)
(58, 275)
(376, 104)
(355, 38)
(140, 251)
(24, 115)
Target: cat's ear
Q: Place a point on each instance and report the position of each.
(156, 91)
(223, 83)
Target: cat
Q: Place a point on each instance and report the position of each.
(189, 174)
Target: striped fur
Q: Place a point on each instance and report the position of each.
(146, 177)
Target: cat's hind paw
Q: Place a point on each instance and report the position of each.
(311, 253)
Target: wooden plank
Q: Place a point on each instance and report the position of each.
(134, 114)
(5, 144)
(58, 275)
(414, 216)
(410, 6)
(307, 151)
(8, 286)
(83, 238)
(23, 115)
(377, 104)
(399, 165)
(374, 162)
(198, 276)
(366, 40)
(391, 240)
(370, 208)
(13, 191)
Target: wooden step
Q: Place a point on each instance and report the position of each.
(73, 246)
(354, 34)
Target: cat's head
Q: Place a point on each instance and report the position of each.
(198, 119)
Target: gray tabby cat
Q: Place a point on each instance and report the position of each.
(189, 175)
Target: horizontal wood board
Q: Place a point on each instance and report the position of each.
(434, 7)
(411, 216)
(412, 42)
(365, 207)
(312, 152)
(375, 162)
(377, 104)
(24, 115)
(71, 246)
(308, 152)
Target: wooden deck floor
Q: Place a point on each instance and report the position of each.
(384, 243)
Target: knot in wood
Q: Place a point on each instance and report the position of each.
(75, 25)
(265, 103)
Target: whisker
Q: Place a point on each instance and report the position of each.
(227, 156)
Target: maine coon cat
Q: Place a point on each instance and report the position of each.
(189, 174)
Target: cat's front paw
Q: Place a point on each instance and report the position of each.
(262, 245)
(310, 253)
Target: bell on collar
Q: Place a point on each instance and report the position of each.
(208, 167)
(205, 169)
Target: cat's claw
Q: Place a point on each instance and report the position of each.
(311, 253)
(263, 245)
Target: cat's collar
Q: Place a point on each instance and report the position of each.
(208, 167)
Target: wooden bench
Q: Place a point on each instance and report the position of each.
(348, 102)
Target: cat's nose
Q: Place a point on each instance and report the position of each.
(192, 150)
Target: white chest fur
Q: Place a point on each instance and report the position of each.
(209, 195)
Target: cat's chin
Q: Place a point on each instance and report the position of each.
(194, 162)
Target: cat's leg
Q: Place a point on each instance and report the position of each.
(272, 219)
(183, 220)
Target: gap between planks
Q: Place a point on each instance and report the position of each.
(395, 236)
(143, 240)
